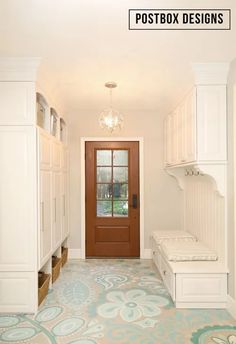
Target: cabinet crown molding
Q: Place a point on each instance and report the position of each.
(19, 68)
(210, 73)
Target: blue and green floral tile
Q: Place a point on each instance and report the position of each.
(115, 301)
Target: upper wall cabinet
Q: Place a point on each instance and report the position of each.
(18, 104)
(195, 132)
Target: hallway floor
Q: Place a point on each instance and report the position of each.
(115, 301)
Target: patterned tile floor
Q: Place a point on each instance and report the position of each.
(115, 302)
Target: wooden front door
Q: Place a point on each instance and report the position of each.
(112, 199)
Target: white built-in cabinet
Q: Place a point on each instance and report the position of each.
(53, 183)
(33, 189)
(195, 153)
(196, 130)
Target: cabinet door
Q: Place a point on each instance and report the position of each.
(44, 144)
(56, 155)
(17, 103)
(18, 205)
(56, 209)
(45, 216)
(181, 155)
(64, 158)
(64, 199)
(169, 140)
(174, 159)
(190, 127)
(211, 123)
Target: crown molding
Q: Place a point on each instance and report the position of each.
(211, 73)
(19, 68)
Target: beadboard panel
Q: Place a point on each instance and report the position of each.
(205, 213)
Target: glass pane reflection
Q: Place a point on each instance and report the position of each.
(120, 208)
(120, 174)
(104, 157)
(120, 157)
(120, 191)
(104, 174)
(104, 208)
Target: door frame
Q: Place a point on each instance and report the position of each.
(141, 187)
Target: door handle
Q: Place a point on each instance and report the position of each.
(134, 201)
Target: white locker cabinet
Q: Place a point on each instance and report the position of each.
(18, 204)
(30, 170)
(64, 199)
(56, 155)
(56, 209)
(45, 216)
(44, 146)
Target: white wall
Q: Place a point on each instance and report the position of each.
(162, 198)
(231, 169)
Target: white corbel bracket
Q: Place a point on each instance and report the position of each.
(178, 174)
(216, 172)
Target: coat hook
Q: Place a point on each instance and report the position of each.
(191, 173)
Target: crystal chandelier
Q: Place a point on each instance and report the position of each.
(110, 118)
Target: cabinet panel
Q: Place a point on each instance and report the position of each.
(64, 199)
(174, 157)
(201, 287)
(211, 123)
(18, 206)
(45, 216)
(56, 209)
(190, 127)
(64, 158)
(169, 139)
(44, 143)
(17, 103)
(168, 277)
(181, 134)
(18, 292)
(56, 155)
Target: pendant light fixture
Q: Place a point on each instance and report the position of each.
(110, 118)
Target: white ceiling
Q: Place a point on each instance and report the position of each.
(84, 43)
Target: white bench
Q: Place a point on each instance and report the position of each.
(191, 284)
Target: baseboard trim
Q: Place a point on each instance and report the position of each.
(231, 306)
(146, 254)
(75, 253)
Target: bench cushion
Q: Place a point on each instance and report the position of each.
(162, 235)
(187, 251)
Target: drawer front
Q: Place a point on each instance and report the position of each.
(168, 277)
(156, 259)
(201, 287)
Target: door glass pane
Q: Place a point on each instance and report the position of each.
(104, 174)
(104, 157)
(104, 191)
(120, 174)
(120, 157)
(120, 191)
(120, 208)
(104, 208)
